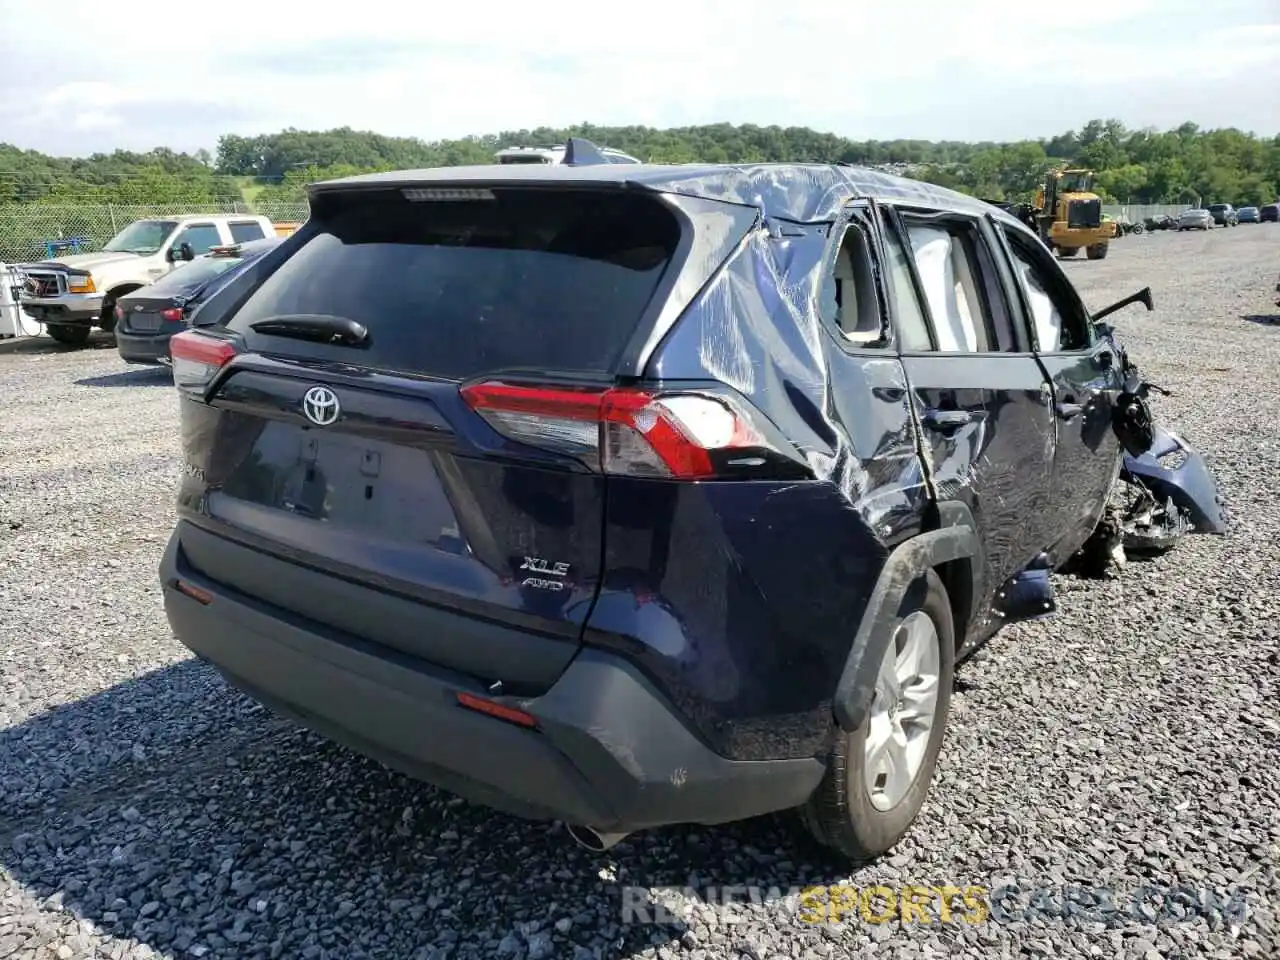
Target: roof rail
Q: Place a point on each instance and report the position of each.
(582, 153)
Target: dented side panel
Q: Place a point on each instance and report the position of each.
(990, 434)
(742, 599)
(1088, 457)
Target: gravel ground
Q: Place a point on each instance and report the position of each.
(1130, 743)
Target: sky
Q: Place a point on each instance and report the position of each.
(82, 76)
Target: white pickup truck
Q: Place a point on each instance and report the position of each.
(71, 295)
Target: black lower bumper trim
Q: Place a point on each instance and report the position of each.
(609, 752)
(142, 348)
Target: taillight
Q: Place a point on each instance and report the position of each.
(197, 358)
(171, 313)
(119, 312)
(686, 435)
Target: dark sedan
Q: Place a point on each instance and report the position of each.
(148, 317)
(1270, 213)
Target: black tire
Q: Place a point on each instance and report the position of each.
(1097, 252)
(1066, 253)
(107, 318)
(71, 334)
(840, 814)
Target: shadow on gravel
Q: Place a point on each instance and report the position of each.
(172, 810)
(157, 376)
(1266, 319)
(98, 340)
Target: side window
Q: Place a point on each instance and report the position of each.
(202, 237)
(946, 260)
(1059, 320)
(242, 231)
(850, 296)
(913, 328)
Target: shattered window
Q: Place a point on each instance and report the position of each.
(1048, 321)
(1055, 329)
(948, 271)
(913, 329)
(851, 294)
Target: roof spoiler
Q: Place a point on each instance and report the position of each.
(582, 153)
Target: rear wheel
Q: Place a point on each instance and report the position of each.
(1097, 251)
(1067, 252)
(878, 776)
(72, 334)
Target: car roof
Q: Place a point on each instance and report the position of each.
(800, 192)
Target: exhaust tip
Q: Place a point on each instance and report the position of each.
(593, 840)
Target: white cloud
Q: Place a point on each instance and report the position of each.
(96, 120)
(449, 70)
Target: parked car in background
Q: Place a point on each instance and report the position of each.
(71, 295)
(147, 318)
(659, 561)
(1269, 213)
(1224, 214)
(1195, 219)
(1249, 215)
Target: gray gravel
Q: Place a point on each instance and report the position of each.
(1129, 743)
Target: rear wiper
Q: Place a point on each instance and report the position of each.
(317, 327)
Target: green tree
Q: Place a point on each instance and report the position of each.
(1142, 166)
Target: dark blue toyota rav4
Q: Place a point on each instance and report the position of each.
(636, 495)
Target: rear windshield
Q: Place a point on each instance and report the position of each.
(192, 276)
(554, 280)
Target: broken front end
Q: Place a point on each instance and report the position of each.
(1167, 488)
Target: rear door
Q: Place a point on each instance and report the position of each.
(981, 397)
(371, 496)
(1084, 373)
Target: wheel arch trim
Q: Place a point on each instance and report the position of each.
(856, 687)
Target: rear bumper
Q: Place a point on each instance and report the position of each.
(71, 308)
(609, 753)
(143, 347)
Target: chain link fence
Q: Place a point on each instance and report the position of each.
(27, 230)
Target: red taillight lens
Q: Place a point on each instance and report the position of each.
(196, 358)
(119, 312)
(688, 436)
(171, 313)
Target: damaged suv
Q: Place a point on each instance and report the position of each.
(631, 495)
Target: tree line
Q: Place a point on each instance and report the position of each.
(1183, 165)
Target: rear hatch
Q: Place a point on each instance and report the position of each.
(345, 478)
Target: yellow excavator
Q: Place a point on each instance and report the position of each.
(1067, 215)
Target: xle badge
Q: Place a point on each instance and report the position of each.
(543, 570)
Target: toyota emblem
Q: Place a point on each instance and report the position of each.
(320, 404)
